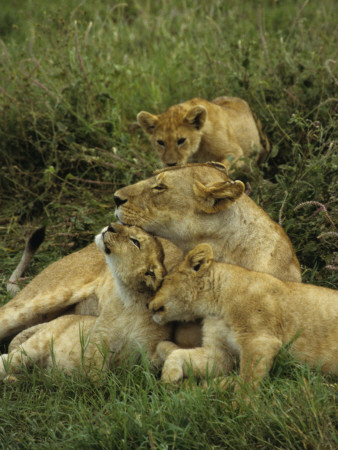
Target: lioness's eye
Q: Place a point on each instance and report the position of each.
(136, 242)
(160, 143)
(159, 187)
(181, 141)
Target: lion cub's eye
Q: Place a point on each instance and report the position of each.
(160, 142)
(136, 242)
(181, 141)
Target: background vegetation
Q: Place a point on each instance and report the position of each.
(73, 76)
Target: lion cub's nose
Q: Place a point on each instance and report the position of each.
(118, 201)
(111, 229)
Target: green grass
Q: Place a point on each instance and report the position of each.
(72, 78)
(131, 409)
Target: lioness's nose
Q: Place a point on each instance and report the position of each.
(118, 201)
(156, 308)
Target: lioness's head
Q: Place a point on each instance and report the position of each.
(182, 204)
(181, 294)
(134, 256)
(176, 133)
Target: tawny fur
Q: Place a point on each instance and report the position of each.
(64, 284)
(80, 283)
(135, 261)
(252, 313)
(197, 130)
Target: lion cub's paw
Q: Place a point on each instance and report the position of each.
(3, 366)
(10, 379)
(172, 372)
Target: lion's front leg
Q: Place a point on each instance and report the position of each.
(257, 356)
(13, 362)
(105, 339)
(165, 348)
(202, 361)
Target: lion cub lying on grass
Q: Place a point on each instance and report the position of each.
(258, 314)
(197, 130)
(135, 260)
(79, 283)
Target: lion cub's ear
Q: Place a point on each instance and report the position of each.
(196, 116)
(218, 196)
(200, 258)
(154, 276)
(147, 121)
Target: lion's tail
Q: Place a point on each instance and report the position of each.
(33, 243)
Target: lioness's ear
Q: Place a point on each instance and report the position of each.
(147, 121)
(196, 116)
(218, 196)
(200, 258)
(154, 276)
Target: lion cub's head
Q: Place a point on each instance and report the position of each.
(185, 289)
(134, 256)
(176, 133)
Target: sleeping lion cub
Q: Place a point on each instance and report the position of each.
(135, 262)
(197, 130)
(256, 314)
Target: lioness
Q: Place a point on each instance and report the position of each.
(257, 314)
(135, 261)
(197, 130)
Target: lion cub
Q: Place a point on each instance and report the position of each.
(135, 260)
(257, 313)
(79, 283)
(197, 130)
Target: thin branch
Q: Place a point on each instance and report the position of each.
(5, 52)
(328, 233)
(41, 86)
(296, 19)
(322, 208)
(79, 57)
(261, 33)
(12, 99)
(328, 68)
(280, 218)
(91, 181)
